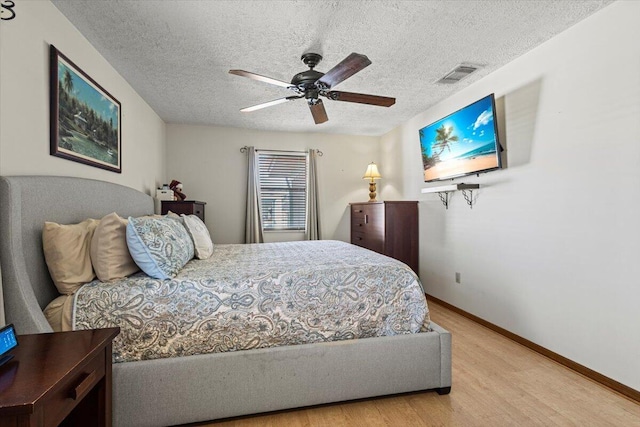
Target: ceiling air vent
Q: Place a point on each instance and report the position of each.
(458, 73)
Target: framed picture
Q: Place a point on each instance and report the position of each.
(85, 118)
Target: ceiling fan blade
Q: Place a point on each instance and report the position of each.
(345, 69)
(361, 98)
(269, 104)
(318, 112)
(260, 78)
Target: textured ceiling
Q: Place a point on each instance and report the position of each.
(177, 53)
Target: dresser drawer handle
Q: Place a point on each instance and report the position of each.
(366, 219)
(359, 238)
(84, 386)
(197, 212)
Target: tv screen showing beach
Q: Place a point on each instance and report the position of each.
(463, 143)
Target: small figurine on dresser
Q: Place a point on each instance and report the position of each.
(176, 186)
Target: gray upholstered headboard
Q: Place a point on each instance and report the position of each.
(26, 202)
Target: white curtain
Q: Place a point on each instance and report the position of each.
(313, 222)
(253, 225)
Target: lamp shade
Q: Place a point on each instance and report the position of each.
(372, 172)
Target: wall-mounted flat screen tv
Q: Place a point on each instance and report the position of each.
(463, 143)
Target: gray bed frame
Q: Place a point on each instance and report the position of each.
(204, 387)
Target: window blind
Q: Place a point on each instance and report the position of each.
(283, 190)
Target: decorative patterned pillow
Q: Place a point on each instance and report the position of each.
(66, 251)
(200, 235)
(160, 246)
(109, 251)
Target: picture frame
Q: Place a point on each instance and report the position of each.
(85, 119)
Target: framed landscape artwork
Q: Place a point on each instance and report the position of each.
(85, 118)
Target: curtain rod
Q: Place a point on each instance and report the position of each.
(244, 150)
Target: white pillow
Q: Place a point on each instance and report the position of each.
(202, 243)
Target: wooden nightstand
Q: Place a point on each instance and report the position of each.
(58, 377)
(187, 207)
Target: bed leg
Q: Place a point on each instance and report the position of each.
(443, 390)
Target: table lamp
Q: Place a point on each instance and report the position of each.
(372, 174)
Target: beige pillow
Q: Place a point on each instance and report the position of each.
(66, 250)
(203, 246)
(58, 313)
(109, 252)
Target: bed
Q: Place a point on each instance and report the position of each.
(200, 387)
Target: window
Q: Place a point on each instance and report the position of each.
(283, 190)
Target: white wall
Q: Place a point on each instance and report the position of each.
(550, 251)
(24, 102)
(208, 161)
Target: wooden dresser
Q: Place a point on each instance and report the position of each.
(389, 228)
(187, 207)
(56, 378)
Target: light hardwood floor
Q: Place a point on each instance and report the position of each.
(496, 382)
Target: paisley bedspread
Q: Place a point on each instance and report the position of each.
(256, 296)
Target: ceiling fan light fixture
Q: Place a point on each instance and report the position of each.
(311, 84)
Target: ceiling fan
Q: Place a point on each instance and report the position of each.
(312, 84)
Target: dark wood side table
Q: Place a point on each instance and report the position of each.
(58, 378)
(187, 207)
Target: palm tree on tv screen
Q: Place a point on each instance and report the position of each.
(444, 139)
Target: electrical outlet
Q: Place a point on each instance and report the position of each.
(457, 277)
